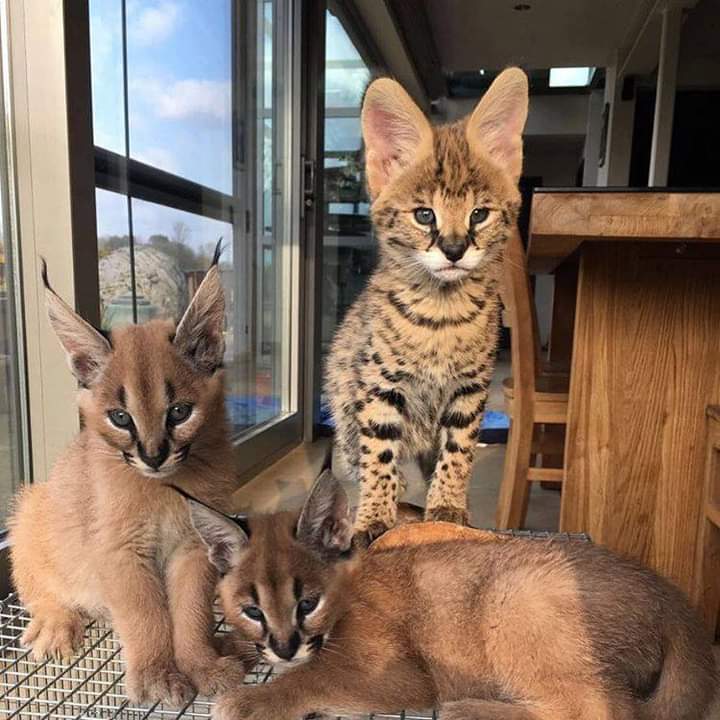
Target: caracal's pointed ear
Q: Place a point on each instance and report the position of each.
(225, 539)
(395, 131)
(496, 125)
(199, 335)
(325, 524)
(86, 349)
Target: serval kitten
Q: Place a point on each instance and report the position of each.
(107, 535)
(409, 368)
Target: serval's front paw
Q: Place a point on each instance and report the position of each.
(448, 513)
(362, 538)
(57, 636)
(158, 682)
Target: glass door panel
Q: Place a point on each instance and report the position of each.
(348, 247)
(14, 468)
(190, 105)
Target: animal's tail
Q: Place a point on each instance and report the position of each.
(327, 461)
(689, 679)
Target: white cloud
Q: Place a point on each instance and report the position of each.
(154, 24)
(184, 99)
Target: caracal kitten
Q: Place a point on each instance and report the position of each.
(106, 536)
(478, 627)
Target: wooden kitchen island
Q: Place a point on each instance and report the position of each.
(645, 362)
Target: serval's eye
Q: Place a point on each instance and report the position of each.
(308, 604)
(120, 419)
(479, 215)
(179, 413)
(424, 215)
(254, 613)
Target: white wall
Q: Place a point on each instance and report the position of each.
(548, 114)
(556, 160)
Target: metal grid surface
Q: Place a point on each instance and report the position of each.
(90, 686)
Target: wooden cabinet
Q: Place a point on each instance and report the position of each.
(645, 365)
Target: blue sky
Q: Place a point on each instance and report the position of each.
(179, 86)
(179, 70)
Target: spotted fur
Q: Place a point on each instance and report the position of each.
(409, 368)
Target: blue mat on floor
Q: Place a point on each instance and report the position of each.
(495, 425)
(247, 410)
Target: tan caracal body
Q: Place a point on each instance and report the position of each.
(481, 628)
(410, 365)
(105, 536)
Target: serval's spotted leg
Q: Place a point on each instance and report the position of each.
(381, 434)
(459, 431)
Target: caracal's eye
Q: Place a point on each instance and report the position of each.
(479, 215)
(424, 215)
(179, 413)
(254, 613)
(120, 418)
(308, 604)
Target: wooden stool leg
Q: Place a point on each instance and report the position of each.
(515, 488)
(708, 576)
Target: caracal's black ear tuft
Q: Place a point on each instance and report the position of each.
(224, 537)
(86, 349)
(218, 252)
(199, 335)
(325, 524)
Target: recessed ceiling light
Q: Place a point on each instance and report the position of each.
(570, 77)
(520, 7)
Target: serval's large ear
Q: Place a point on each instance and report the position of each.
(395, 131)
(325, 524)
(496, 125)
(199, 335)
(87, 351)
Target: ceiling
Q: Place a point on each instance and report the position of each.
(474, 34)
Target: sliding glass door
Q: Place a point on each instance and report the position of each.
(14, 455)
(194, 142)
(348, 251)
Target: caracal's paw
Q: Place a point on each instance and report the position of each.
(58, 636)
(248, 703)
(158, 682)
(448, 513)
(217, 676)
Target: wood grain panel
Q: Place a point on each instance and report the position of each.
(707, 584)
(646, 363)
(561, 222)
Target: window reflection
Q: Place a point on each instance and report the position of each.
(157, 231)
(179, 70)
(348, 248)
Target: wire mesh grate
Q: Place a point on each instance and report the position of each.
(90, 686)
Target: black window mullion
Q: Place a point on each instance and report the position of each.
(119, 174)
